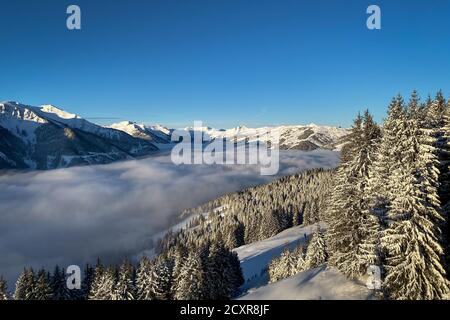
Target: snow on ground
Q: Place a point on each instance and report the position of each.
(255, 257)
(315, 284)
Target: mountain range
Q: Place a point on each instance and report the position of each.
(46, 137)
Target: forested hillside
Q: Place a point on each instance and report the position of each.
(257, 213)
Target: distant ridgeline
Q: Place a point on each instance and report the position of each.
(257, 213)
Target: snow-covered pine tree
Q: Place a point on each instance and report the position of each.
(103, 285)
(340, 217)
(25, 285)
(276, 267)
(3, 289)
(435, 116)
(43, 290)
(288, 264)
(368, 251)
(353, 230)
(299, 254)
(143, 278)
(96, 280)
(216, 284)
(413, 254)
(161, 280)
(223, 272)
(316, 253)
(437, 122)
(86, 284)
(387, 158)
(282, 267)
(445, 184)
(234, 276)
(190, 281)
(59, 285)
(125, 286)
(179, 257)
(234, 231)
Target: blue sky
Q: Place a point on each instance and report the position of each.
(225, 62)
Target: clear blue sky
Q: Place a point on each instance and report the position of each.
(226, 62)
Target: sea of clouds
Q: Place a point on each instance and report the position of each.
(71, 216)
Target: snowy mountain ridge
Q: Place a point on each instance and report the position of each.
(155, 133)
(47, 137)
(291, 137)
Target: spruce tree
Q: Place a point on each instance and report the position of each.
(161, 280)
(143, 279)
(445, 184)
(413, 262)
(223, 272)
(299, 254)
(316, 254)
(179, 258)
(125, 286)
(387, 158)
(59, 285)
(190, 281)
(103, 285)
(3, 289)
(283, 267)
(86, 284)
(353, 228)
(43, 289)
(25, 285)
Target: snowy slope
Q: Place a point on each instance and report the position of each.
(47, 137)
(319, 283)
(315, 284)
(255, 257)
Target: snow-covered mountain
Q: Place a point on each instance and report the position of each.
(156, 134)
(47, 137)
(298, 137)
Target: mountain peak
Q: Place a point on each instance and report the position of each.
(48, 108)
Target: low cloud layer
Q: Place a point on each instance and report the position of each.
(71, 216)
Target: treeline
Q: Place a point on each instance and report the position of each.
(209, 271)
(390, 203)
(257, 213)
